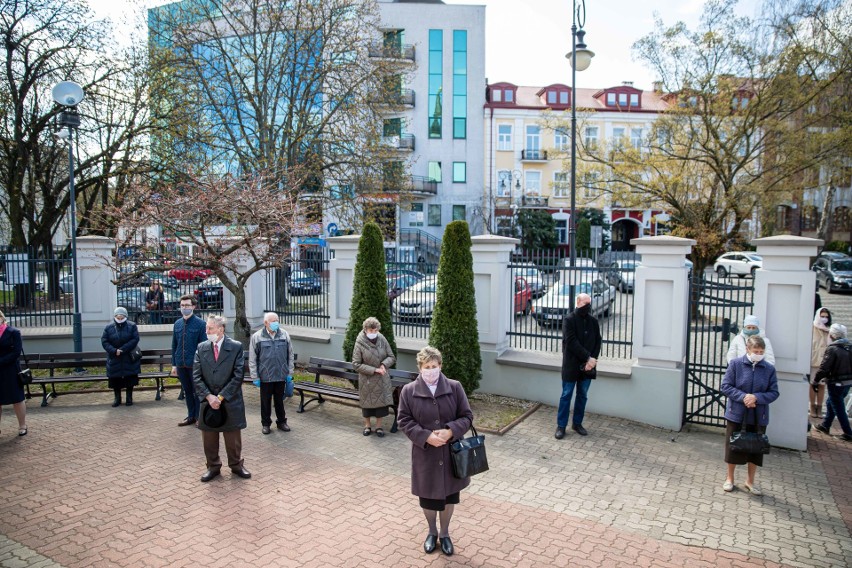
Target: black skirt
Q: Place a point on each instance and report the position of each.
(379, 412)
(737, 458)
(439, 504)
(123, 382)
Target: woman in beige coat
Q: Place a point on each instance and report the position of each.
(372, 357)
(819, 341)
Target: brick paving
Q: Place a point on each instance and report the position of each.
(96, 486)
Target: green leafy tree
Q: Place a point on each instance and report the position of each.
(538, 229)
(369, 290)
(584, 235)
(455, 332)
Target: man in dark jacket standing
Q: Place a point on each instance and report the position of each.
(581, 346)
(188, 333)
(218, 377)
(836, 370)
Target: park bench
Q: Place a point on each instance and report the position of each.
(61, 367)
(344, 370)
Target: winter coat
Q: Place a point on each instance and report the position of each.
(836, 367)
(155, 298)
(187, 335)
(270, 358)
(819, 343)
(581, 339)
(374, 390)
(743, 377)
(227, 372)
(123, 336)
(11, 346)
(738, 348)
(419, 414)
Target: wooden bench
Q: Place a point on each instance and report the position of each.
(59, 365)
(344, 370)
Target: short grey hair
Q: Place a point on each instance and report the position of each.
(218, 321)
(268, 315)
(837, 331)
(372, 323)
(428, 355)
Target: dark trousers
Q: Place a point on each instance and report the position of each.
(269, 393)
(836, 408)
(233, 447)
(185, 377)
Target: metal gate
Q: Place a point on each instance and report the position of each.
(717, 307)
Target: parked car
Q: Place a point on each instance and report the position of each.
(533, 277)
(833, 255)
(210, 294)
(609, 258)
(737, 264)
(553, 307)
(66, 284)
(134, 300)
(304, 281)
(581, 264)
(834, 275)
(394, 272)
(400, 283)
(417, 302)
(621, 274)
(523, 296)
(189, 274)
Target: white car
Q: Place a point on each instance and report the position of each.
(621, 274)
(737, 264)
(418, 301)
(554, 306)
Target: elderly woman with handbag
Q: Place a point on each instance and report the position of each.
(372, 357)
(751, 386)
(11, 390)
(434, 411)
(120, 340)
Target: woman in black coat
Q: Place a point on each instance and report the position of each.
(11, 391)
(119, 340)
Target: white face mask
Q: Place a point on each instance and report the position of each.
(824, 321)
(755, 357)
(213, 338)
(372, 335)
(121, 320)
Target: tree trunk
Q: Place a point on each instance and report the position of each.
(825, 214)
(242, 329)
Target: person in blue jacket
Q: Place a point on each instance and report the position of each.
(119, 339)
(188, 333)
(750, 385)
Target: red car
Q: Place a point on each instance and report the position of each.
(523, 296)
(189, 274)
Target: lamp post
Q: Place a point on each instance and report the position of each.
(581, 58)
(69, 94)
(513, 181)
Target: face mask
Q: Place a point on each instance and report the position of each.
(824, 321)
(372, 335)
(121, 320)
(755, 357)
(430, 375)
(583, 311)
(750, 332)
(186, 312)
(213, 338)
(273, 327)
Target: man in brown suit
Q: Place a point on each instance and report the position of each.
(217, 375)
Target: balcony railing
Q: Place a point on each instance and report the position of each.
(400, 142)
(533, 201)
(413, 184)
(405, 97)
(534, 155)
(379, 49)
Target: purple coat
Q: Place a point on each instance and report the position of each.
(742, 378)
(419, 414)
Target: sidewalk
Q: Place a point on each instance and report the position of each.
(98, 486)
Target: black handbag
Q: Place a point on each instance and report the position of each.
(25, 376)
(743, 442)
(468, 455)
(136, 354)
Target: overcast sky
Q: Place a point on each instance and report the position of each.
(526, 40)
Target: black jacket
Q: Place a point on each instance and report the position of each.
(122, 336)
(836, 365)
(581, 339)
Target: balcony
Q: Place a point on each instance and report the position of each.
(533, 201)
(533, 155)
(381, 50)
(400, 142)
(410, 184)
(405, 97)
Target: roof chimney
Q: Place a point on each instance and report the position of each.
(627, 83)
(658, 86)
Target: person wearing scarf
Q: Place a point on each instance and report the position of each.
(819, 341)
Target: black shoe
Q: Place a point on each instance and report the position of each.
(430, 544)
(129, 398)
(821, 428)
(242, 472)
(210, 474)
(447, 546)
(578, 428)
(187, 421)
(560, 433)
(283, 427)
(116, 402)
(266, 430)
(844, 437)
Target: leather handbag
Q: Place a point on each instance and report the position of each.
(25, 375)
(468, 455)
(136, 354)
(743, 442)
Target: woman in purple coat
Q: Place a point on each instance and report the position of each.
(434, 411)
(750, 385)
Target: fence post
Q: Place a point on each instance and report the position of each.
(341, 276)
(97, 291)
(784, 301)
(494, 289)
(661, 310)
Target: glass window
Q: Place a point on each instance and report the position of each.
(551, 97)
(459, 172)
(610, 99)
(563, 97)
(504, 137)
(561, 140)
(562, 231)
(561, 184)
(436, 78)
(622, 99)
(591, 136)
(636, 138)
(533, 141)
(415, 217)
(617, 137)
(435, 171)
(459, 213)
(459, 84)
(508, 95)
(392, 127)
(504, 183)
(533, 183)
(496, 96)
(435, 215)
(634, 99)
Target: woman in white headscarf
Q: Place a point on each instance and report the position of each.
(751, 327)
(819, 341)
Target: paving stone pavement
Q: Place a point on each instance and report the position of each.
(96, 486)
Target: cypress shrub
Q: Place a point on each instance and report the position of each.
(454, 330)
(369, 290)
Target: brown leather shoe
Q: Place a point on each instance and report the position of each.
(187, 421)
(242, 472)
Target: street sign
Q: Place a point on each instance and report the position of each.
(597, 236)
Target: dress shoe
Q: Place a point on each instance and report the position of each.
(266, 430)
(430, 544)
(821, 428)
(283, 427)
(446, 546)
(187, 421)
(578, 428)
(242, 472)
(210, 474)
(116, 402)
(560, 433)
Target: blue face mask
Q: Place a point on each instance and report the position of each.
(749, 332)
(273, 327)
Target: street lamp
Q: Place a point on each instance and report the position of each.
(506, 183)
(580, 58)
(69, 94)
